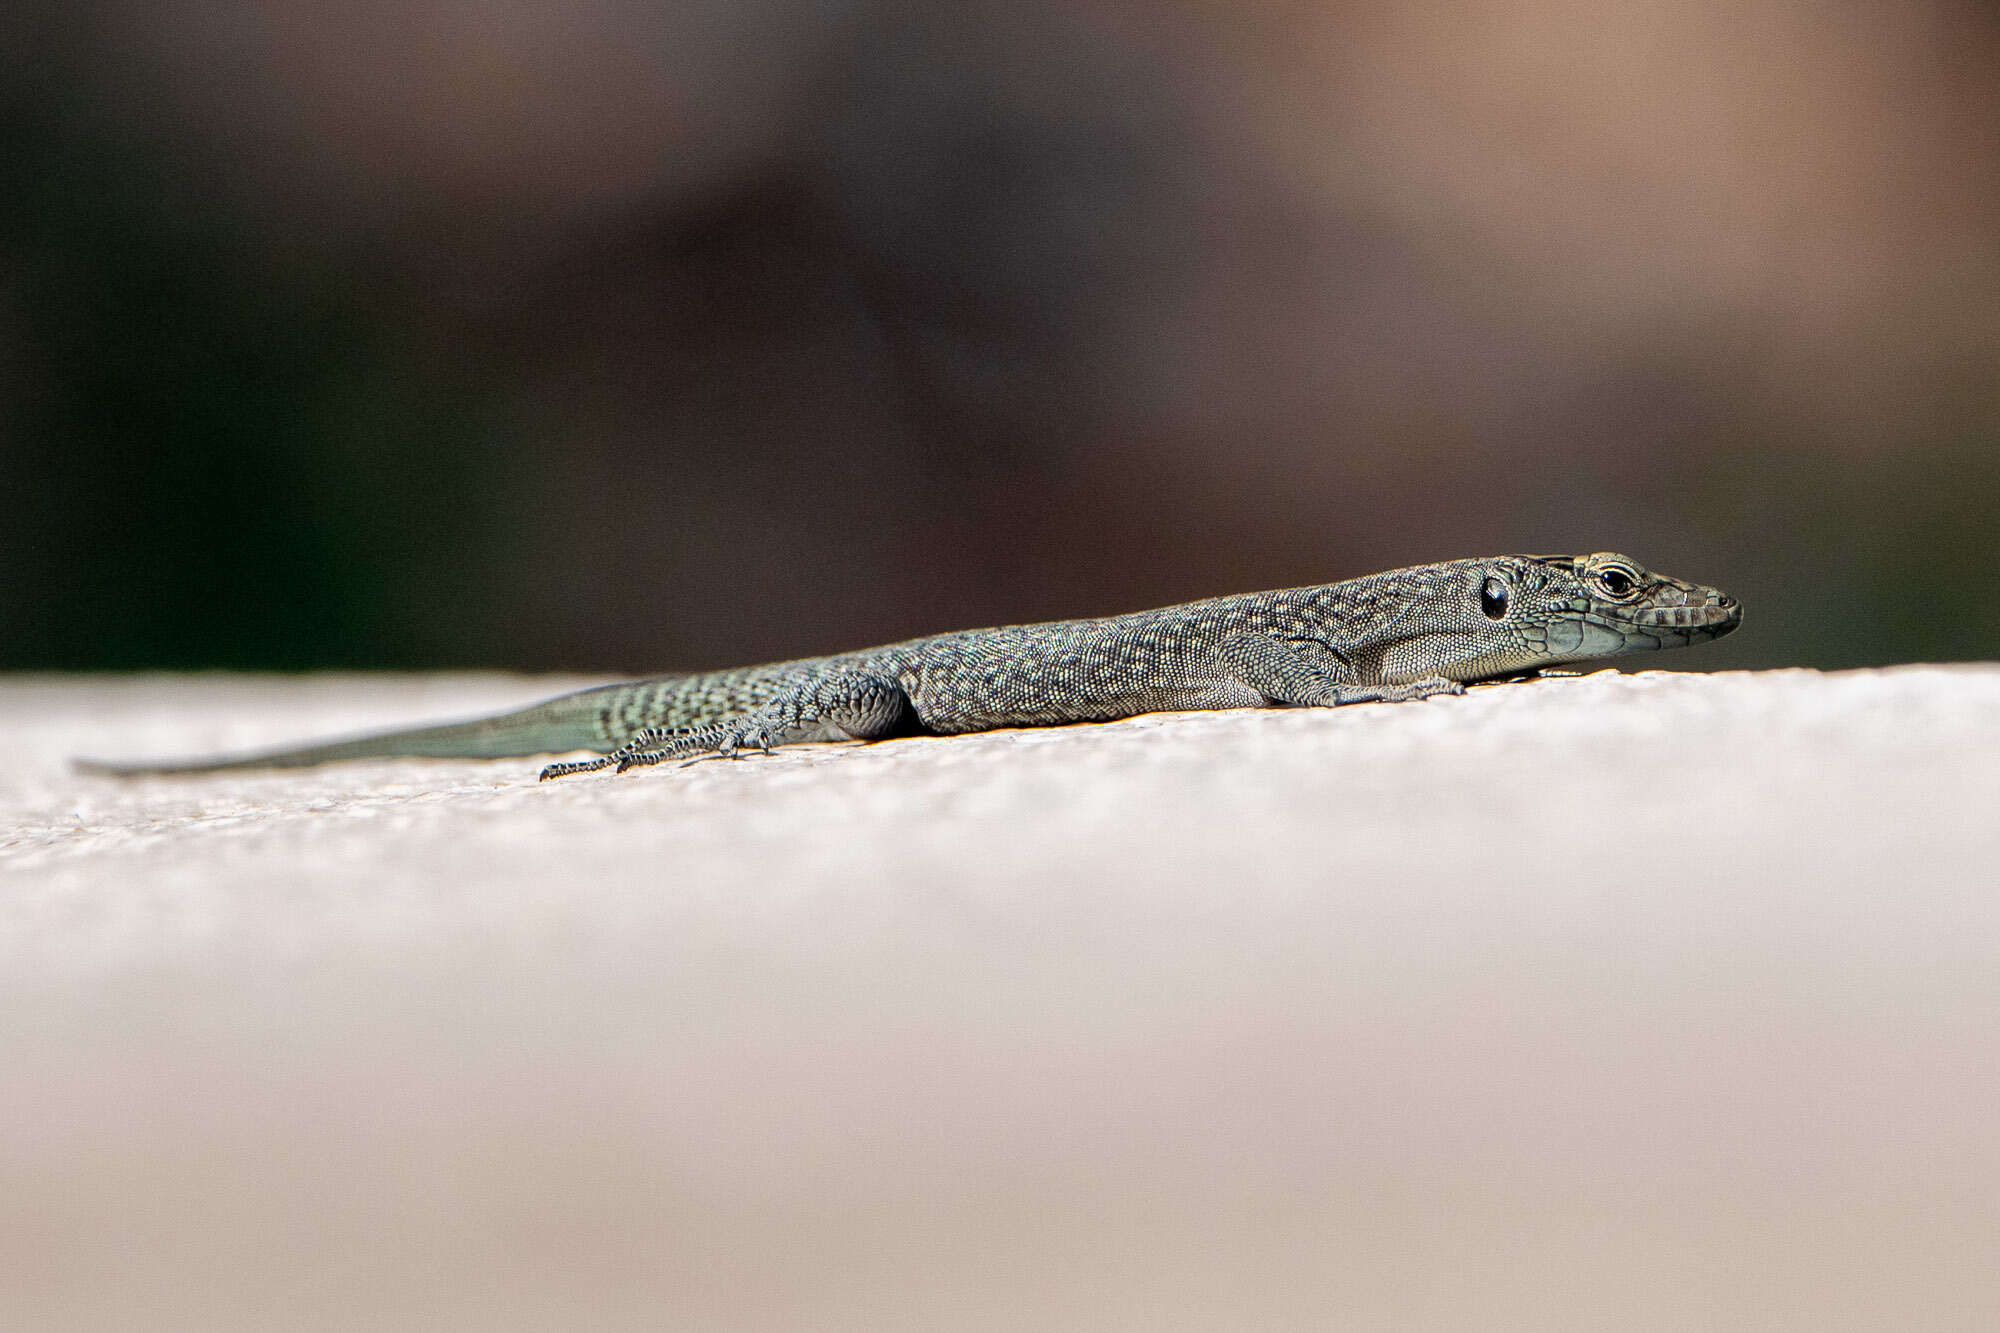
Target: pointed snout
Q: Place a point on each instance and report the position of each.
(1691, 609)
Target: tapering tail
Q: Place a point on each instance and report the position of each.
(554, 726)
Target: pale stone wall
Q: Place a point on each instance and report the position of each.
(1654, 1001)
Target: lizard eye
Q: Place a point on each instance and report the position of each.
(1616, 582)
(1493, 599)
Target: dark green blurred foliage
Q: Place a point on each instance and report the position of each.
(214, 459)
(326, 346)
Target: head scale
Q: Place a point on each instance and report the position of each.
(1528, 611)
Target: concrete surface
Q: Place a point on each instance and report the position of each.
(1627, 1002)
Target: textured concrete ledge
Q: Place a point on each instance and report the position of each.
(1653, 1001)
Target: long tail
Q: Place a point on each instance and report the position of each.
(567, 722)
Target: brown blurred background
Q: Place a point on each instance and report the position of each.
(613, 336)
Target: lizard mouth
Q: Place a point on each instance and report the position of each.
(1708, 615)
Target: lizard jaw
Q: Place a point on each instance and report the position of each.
(1604, 632)
(1702, 613)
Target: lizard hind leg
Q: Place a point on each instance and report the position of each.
(835, 705)
(645, 741)
(642, 742)
(654, 746)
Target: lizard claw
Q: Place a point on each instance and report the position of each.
(758, 739)
(1419, 689)
(573, 766)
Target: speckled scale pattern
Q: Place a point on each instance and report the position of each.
(1406, 634)
(1412, 625)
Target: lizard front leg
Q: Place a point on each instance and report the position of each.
(1311, 673)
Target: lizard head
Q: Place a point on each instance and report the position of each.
(1504, 615)
(1568, 608)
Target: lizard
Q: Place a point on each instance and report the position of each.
(1402, 635)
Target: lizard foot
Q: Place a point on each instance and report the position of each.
(622, 758)
(1418, 689)
(574, 766)
(653, 746)
(756, 740)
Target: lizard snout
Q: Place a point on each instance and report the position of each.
(1692, 609)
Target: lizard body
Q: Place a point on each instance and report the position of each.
(1405, 634)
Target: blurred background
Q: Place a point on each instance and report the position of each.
(613, 336)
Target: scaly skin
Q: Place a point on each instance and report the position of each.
(1406, 634)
